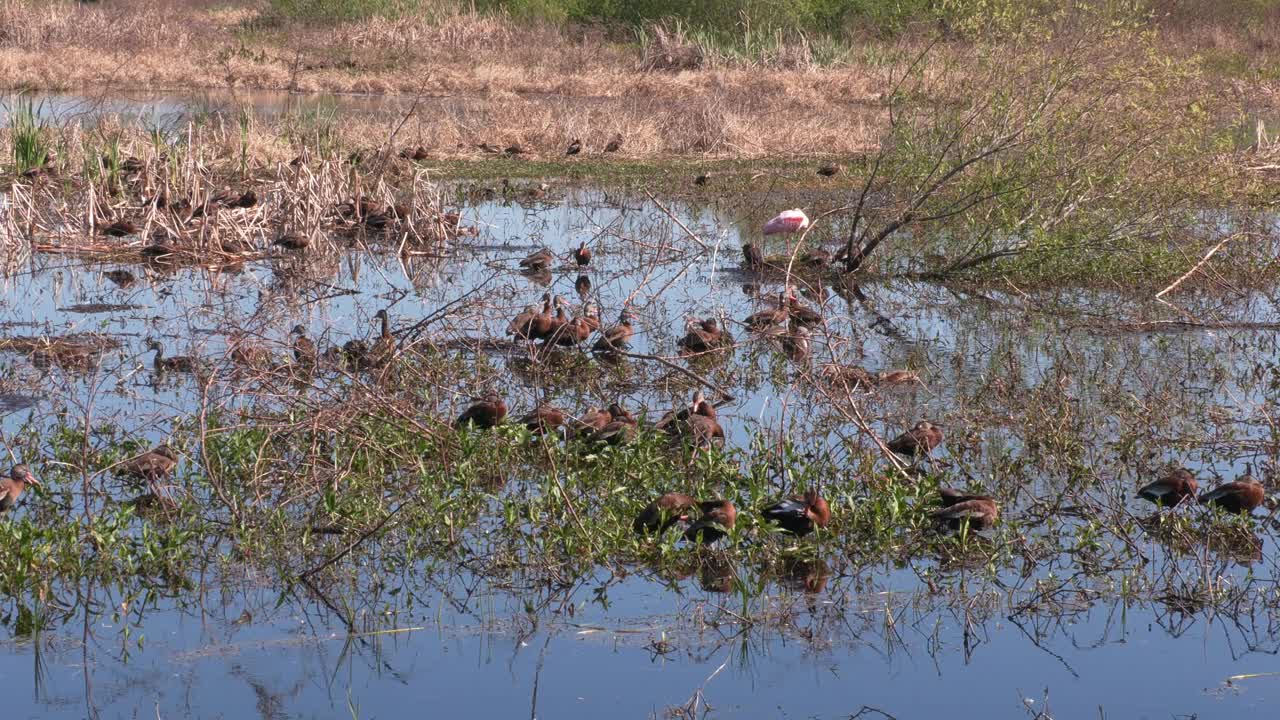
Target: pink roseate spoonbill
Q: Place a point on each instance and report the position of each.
(787, 221)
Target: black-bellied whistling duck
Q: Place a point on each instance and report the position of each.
(155, 464)
(752, 257)
(766, 319)
(247, 199)
(617, 337)
(1240, 496)
(1171, 489)
(703, 336)
(896, 377)
(851, 375)
(542, 418)
(531, 324)
(120, 228)
(582, 286)
(11, 487)
(513, 149)
(540, 260)
(680, 414)
(979, 511)
(574, 148)
(664, 512)
(243, 351)
(384, 348)
(799, 515)
(555, 324)
(802, 314)
(177, 363)
(702, 427)
(702, 179)
(717, 520)
(919, 440)
(304, 350)
(577, 330)
(293, 241)
(582, 255)
(620, 430)
(614, 144)
(587, 424)
(795, 342)
(828, 169)
(485, 413)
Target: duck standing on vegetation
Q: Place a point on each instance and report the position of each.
(486, 413)
(540, 260)
(800, 313)
(766, 319)
(11, 487)
(799, 515)
(919, 440)
(614, 144)
(703, 336)
(543, 418)
(717, 520)
(177, 363)
(1242, 496)
(155, 464)
(574, 148)
(618, 337)
(701, 427)
(659, 515)
(1172, 489)
(587, 424)
(979, 511)
(304, 351)
(620, 430)
(531, 324)
(582, 255)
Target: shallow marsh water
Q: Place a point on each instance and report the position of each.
(235, 644)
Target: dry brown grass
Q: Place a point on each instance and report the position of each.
(481, 78)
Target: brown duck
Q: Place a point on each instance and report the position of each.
(485, 413)
(155, 464)
(766, 319)
(703, 336)
(543, 418)
(752, 258)
(919, 440)
(620, 430)
(979, 511)
(659, 515)
(717, 520)
(617, 337)
(701, 429)
(1241, 496)
(304, 350)
(582, 255)
(799, 515)
(1172, 489)
(540, 260)
(176, 363)
(11, 487)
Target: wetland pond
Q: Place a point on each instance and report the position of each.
(289, 580)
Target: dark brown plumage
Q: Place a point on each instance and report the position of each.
(617, 337)
(828, 170)
(1241, 496)
(176, 363)
(155, 464)
(574, 148)
(717, 520)
(615, 144)
(542, 418)
(664, 512)
(979, 511)
(582, 255)
(799, 515)
(540, 260)
(485, 413)
(11, 487)
(766, 319)
(701, 429)
(752, 257)
(292, 241)
(1171, 489)
(919, 440)
(304, 351)
(120, 228)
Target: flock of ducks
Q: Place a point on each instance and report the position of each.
(696, 424)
